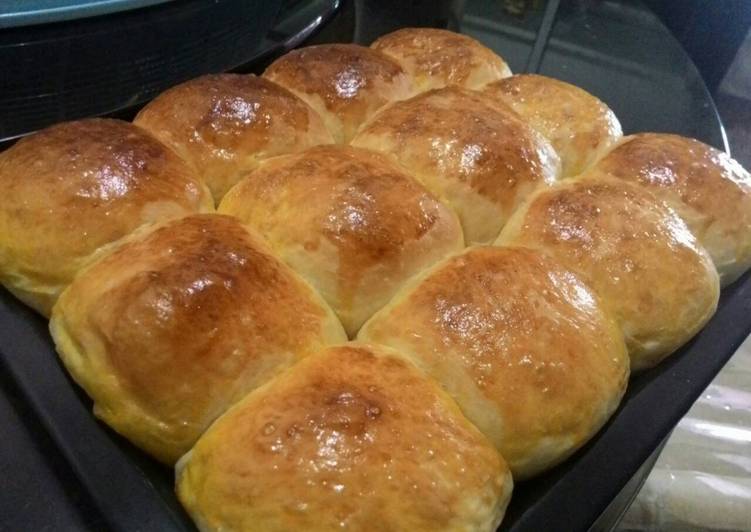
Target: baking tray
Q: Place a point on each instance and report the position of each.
(132, 492)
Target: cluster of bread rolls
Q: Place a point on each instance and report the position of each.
(498, 254)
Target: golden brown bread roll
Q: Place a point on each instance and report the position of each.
(349, 221)
(345, 83)
(72, 188)
(579, 126)
(708, 189)
(475, 153)
(179, 322)
(520, 342)
(351, 438)
(225, 124)
(636, 253)
(436, 58)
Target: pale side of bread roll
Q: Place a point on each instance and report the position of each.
(70, 189)
(636, 253)
(475, 153)
(437, 58)
(520, 342)
(349, 221)
(352, 438)
(225, 124)
(709, 190)
(578, 125)
(179, 322)
(345, 83)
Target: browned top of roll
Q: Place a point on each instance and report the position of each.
(352, 438)
(225, 124)
(346, 83)
(634, 251)
(70, 189)
(349, 220)
(474, 152)
(579, 126)
(522, 344)
(176, 324)
(436, 58)
(710, 190)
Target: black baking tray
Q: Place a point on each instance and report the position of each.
(124, 490)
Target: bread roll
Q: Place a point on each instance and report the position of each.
(579, 126)
(474, 153)
(436, 58)
(352, 438)
(349, 221)
(181, 321)
(634, 251)
(708, 189)
(225, 124)
(70, 189)
(345, 83)
(520, 342)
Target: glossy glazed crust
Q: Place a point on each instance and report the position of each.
(72, 188)
(436, 58)
(475, 153)
(179, 322)
(225, 124)
(344, 83)
(634, 251)
(352, 438)
(579, 126)
(349, 221)
(708, 189)
(520, 342)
